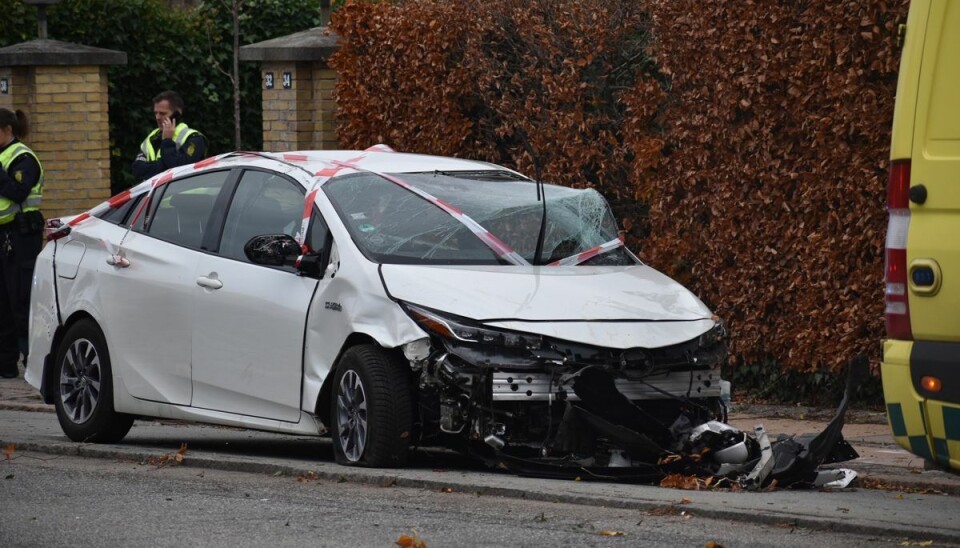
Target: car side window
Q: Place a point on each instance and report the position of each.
(184, 209)
(121, 215)
(264, 203)
(317, 233)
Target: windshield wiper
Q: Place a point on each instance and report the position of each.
(541, 195)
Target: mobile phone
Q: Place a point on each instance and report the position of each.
(175, 117)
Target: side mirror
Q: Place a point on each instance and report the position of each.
(272, 250)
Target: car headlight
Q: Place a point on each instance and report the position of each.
(462, 331)
(717, 334)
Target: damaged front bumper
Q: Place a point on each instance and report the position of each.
(553, 408)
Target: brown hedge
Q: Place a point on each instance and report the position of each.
(770, 199)
(757, 132)
(554, 85)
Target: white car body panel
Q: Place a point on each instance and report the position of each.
(398, 163)
(352, 282)
(305, 425)
(546, 293)
(68, 259)
(147, 316)
(621, 335)
(248, 339)
(43, 319)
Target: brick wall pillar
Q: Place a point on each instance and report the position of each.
(325, 123)
(298, 105)
(62, 88)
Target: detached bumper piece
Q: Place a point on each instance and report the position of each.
(605, 436)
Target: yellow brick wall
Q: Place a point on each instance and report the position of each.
(70, 133)
(301, 117)
(325, 124)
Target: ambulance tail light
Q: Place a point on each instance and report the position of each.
(897, 312)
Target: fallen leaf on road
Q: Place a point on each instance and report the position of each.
(712, 544)
(309, 476)
(9, 450)
(680, 481)
(180, 453)
(411, 541)
(610, 533)
(163, 460)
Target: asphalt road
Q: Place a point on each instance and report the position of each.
(122, 495)
(60, 500)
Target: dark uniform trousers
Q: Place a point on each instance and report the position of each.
(18, 253)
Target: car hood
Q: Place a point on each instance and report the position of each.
(565, 302)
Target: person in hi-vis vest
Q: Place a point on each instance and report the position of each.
(21, 236)
(172, 144)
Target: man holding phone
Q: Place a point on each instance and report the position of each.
(172, 144)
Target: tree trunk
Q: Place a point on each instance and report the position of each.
(236, 74)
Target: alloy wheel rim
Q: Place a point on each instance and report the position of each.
(352, 416)
(80, 378)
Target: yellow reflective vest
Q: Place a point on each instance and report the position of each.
(9, 208)
(180, 135)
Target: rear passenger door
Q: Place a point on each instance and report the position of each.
(148, 305)
(249, 319)
(932, 246)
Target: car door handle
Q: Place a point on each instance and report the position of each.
(118, 261)
(209, 283)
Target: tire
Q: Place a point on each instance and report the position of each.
(370, 410)
(84, 387)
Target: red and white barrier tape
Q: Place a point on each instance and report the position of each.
(122, 198)
(585, 256)
(500, 248)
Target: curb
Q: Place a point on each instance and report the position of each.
(876, 476)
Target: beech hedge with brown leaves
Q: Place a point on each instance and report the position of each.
(770, 198)
(755, 133)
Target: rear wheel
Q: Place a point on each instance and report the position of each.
(84, 397)
(371, 409)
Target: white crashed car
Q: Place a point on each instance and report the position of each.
(387, 300)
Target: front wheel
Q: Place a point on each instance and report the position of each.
(371, 409)
(84, 398)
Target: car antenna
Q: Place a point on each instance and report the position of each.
(541, 194)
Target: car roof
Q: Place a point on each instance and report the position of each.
(383, 161)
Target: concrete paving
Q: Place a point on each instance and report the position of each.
(882, 463)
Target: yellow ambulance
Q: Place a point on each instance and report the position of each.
(921, 354)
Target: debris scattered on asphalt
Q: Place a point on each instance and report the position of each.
(684, 455)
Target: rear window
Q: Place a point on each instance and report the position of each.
(123, 214)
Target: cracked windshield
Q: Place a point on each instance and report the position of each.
(391, 224)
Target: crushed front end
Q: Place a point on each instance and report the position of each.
(524, 400)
